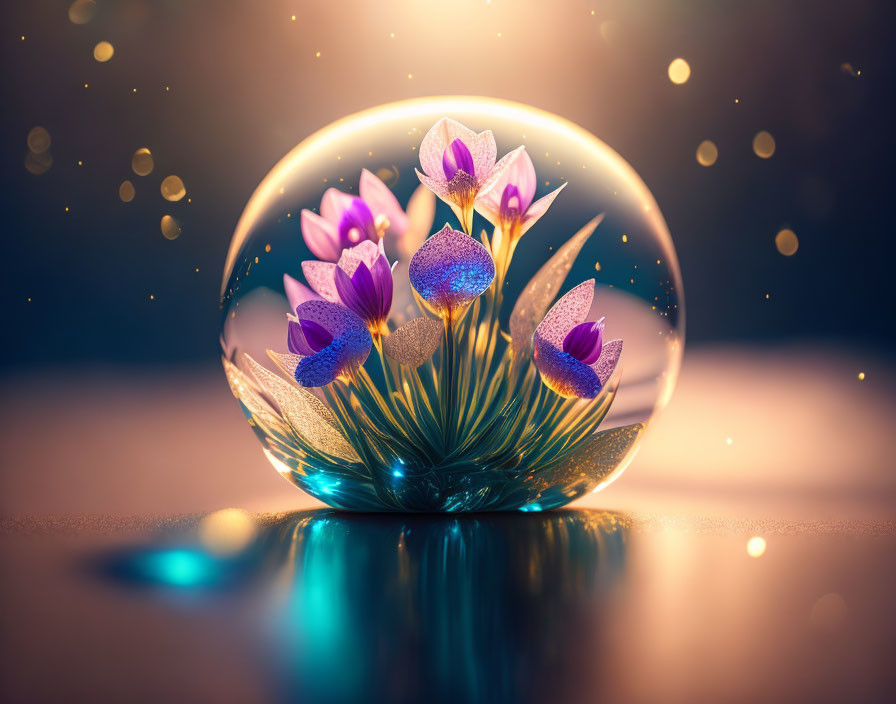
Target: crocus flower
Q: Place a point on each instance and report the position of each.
(508, 205)
(330, 339)
(569, 353)
(459, 166)
(360, 281)
(450, 270)
(347, 220)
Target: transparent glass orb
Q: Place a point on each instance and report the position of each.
(638, 290)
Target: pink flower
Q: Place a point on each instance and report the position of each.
(508, 205)
(347, 220)
(459, 166)
(361, 281)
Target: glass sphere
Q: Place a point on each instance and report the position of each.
(458, 403)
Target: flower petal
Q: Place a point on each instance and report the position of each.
(520, 173)
(457, 157)
(297, 293)
(487, 183)
(437, 186)
(382, 201)
(421, 214)
(484, 152)
(367, 252)
(584, 341)
(530, 307)
(414, 342)
(609, 357)
(334, 204)
(565, 314)
(321, 236)
(538, 208)
(450, 270)
(436, 141)
(320, 276)
(563, 373)
(350, 347)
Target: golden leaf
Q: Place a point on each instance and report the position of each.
(542, 289)
(414, 342)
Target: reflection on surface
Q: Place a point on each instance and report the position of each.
(472, 608)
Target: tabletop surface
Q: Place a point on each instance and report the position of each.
(578, 605)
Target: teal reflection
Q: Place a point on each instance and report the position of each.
(502, 607)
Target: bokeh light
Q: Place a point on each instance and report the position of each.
(82, 11)
(170, 228)
(764, 144)
(787, 242)
(707, 153)
(227, 532)
(126, 191)
(38, 140)
(103, 51)
(756, 546)
(142, 162)
(38, 164)
(679, 71)
(173, 188)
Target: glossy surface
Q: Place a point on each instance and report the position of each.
(571, 606)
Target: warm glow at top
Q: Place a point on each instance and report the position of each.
(679, 71)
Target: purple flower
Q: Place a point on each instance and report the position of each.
(330, 339)
(508, 205)
(450, 270)
(361, 281)
(459, 166)
(346, 220)
(569, 352)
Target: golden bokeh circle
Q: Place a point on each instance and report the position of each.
(38, 140)
(38, 164)
(764, 144)
(103, 51)
(142, 162)
(707, 153)
(126, 191)
(82, 11)
(787, 242)
(679, 71)
(170, 228)
(172, 188)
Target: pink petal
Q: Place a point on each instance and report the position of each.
(297, 293)
(321, 277)
(606, 363)
(538, 208)
(440, 188)
(421, 215)
(382, 201)
(520, 173)
(366, 252)
(566, 313)
(320, 236)
(484, 151)
(490, 181)
(334, 204)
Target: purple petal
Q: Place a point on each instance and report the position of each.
(450, 270)
(436, 141)
(297, 293)
(356, 224)
(347, 294)
(457, 157)
(321, 236)
(350, 346)
(382, 282)
(566, 313)
(295, 339)
(563, 373)
(319, 276)
(584, 342)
